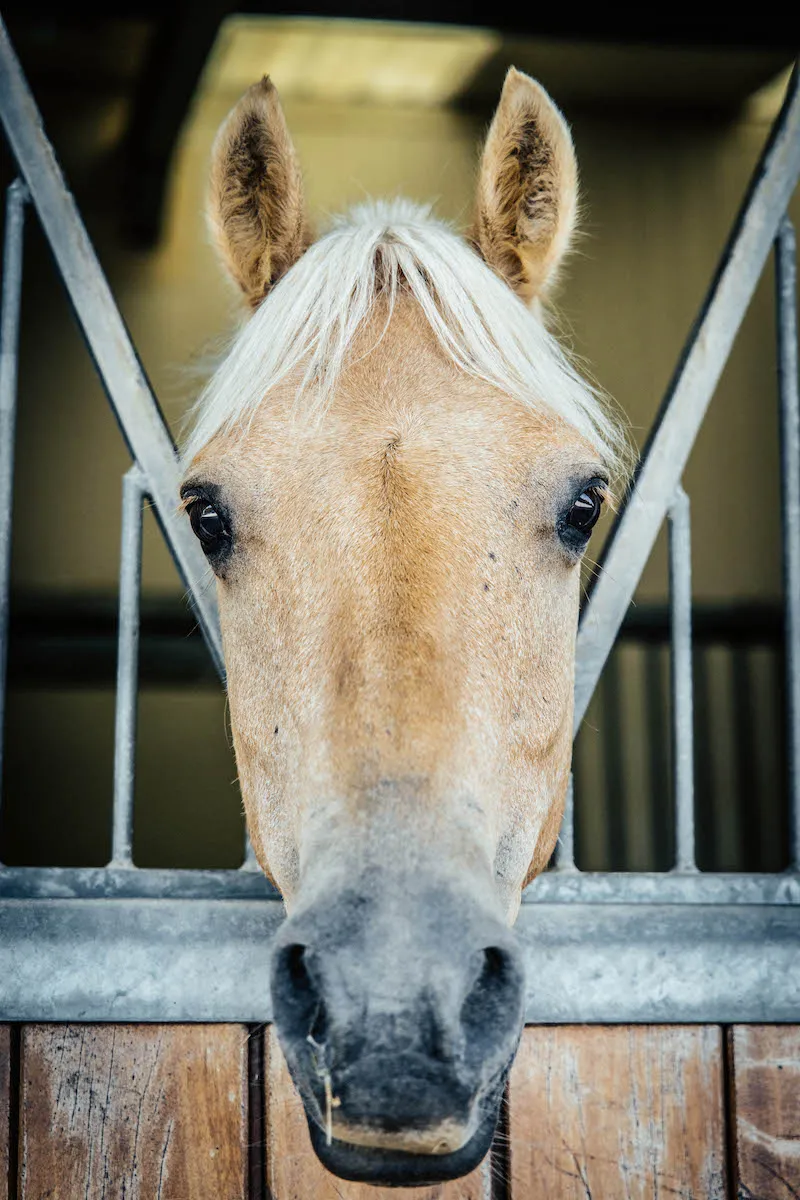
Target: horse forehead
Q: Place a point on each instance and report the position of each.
(439, 426)
(400, 390)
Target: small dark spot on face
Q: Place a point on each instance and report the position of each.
(519, 573)
(276, 728)
(486, 587)
(515, 715)
(492, 556)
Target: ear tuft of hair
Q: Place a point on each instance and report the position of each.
(527, 188)
(256, 208)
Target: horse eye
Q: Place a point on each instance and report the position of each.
(585, 511)
(207, 524)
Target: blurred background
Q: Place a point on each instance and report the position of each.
(669, 119)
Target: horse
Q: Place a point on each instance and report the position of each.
(394, 474)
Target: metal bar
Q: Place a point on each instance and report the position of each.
(113, 882)
(658, 760)
(129, 392)
(616, 847)
(565, 846)
(552, 887)
(695, 888)
(680, 588)
(130, 583)
(16, 199)
(706, 835)
(786, 285)
(250, 862)
(156, 960)
(688, 397)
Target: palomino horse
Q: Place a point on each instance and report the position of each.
(394, 474)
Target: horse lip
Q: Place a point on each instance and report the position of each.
(394, 1167)
(445, 1138)
(398, 1168)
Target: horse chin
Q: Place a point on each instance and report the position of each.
(396, 1168)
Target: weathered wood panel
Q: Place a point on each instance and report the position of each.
(5, 1107)
(295, 1173)
(628, 1111)
(137, 1111)
(765, 1074)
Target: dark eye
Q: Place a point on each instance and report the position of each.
(585, 511)
(581, 517)
(208, 525)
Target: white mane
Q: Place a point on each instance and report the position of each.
(311, 317)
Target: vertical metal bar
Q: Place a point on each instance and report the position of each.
(708, 842)
(250, 861)
(786, 285)
(16, 198)
(680, 588)
(657, 727)
(130, 580)
(565, 846)
(617, 844)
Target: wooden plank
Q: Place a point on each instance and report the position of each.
(620, 1111)
(145, 1112)
(5, 1108)
(765, 1077)
(295, 1173)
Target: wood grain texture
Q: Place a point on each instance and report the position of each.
(295, 1173)
(618, 1113)
(765, 1084)
(5, 1107)
(142, 1112)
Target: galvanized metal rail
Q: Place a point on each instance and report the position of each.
(689, 395)
(108, 341)
(121, 943)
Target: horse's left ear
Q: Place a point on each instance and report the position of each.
(527, 189)
(256, 208)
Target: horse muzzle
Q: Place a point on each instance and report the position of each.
(399, 1010)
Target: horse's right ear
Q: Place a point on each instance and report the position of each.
(255, 206)
(527, 188)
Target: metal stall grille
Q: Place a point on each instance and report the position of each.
(124, 943)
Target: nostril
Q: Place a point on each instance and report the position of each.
(495, 966)
(493, 1005)
(296, 969)
(297, 1003)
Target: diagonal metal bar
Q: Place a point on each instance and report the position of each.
(688, 396)
(109, 342)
